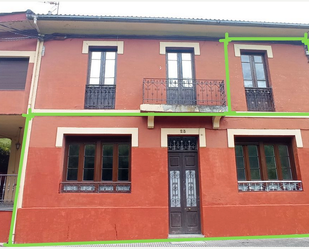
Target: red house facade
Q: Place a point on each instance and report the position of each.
(111, 152)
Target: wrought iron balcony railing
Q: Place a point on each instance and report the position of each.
(184, 92)
(260, 99)
(254, 186)
(100, 97)
(7, 190)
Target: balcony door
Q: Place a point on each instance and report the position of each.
(258, 92)
(184, 201)
(180, 85)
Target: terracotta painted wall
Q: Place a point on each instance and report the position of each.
(66, 72)
(143, 214)
(5, 218)
(288, 71)
(16, 101)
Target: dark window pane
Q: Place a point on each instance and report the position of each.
(74, 150)
(241, 176)
(73, 162)
(123, 150)
(89, 163)
(269, 150)
(254, 162)
(240, 163)
(107, 162)
(123, 163)
(272, 174)
(252, 150)
(270, 162)
(88, 174)
(90, 150)
(108, 150)
(255, 174)
(286, 174)
(283, 150)
(107, 174)
(72, 175)
(285, 162)
(238, 150)
(123, 175)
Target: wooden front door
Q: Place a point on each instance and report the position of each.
(184, 204)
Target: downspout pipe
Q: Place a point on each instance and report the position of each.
(27, 134)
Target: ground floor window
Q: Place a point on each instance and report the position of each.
(265, 164)
(97, 164)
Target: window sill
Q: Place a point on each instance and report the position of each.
(269, 186)
(95, 187)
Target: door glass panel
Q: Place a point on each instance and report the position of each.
(248, 83)
(172, 56)
(190, 188)
(245, 58)
(246, 71)
(172, 70)
(110, 55)
(258, 58)
(109, 81)
(262, 84)
(95, 68)
(110, 68)
(186, 70)
(186, 56)
(94, 81)
(259, 70)
(96, 55)
(175, 188)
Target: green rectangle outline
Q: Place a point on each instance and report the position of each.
(30, 115)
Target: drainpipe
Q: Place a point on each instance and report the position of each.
(31, 103)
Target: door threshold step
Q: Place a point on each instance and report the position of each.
(174, 236)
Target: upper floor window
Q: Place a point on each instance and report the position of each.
(265, 159)
(101, 87)
(258, 92)
(98, 160)
(180, 74)
(179, 67)
(102, 67)
(254, 70)
(13, 73)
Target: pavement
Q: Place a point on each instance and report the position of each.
(286, 242)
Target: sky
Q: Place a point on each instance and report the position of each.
(269, 11)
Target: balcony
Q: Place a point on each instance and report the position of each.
(7, 191)
(260, 99)
(100, 97)
(183, 95)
